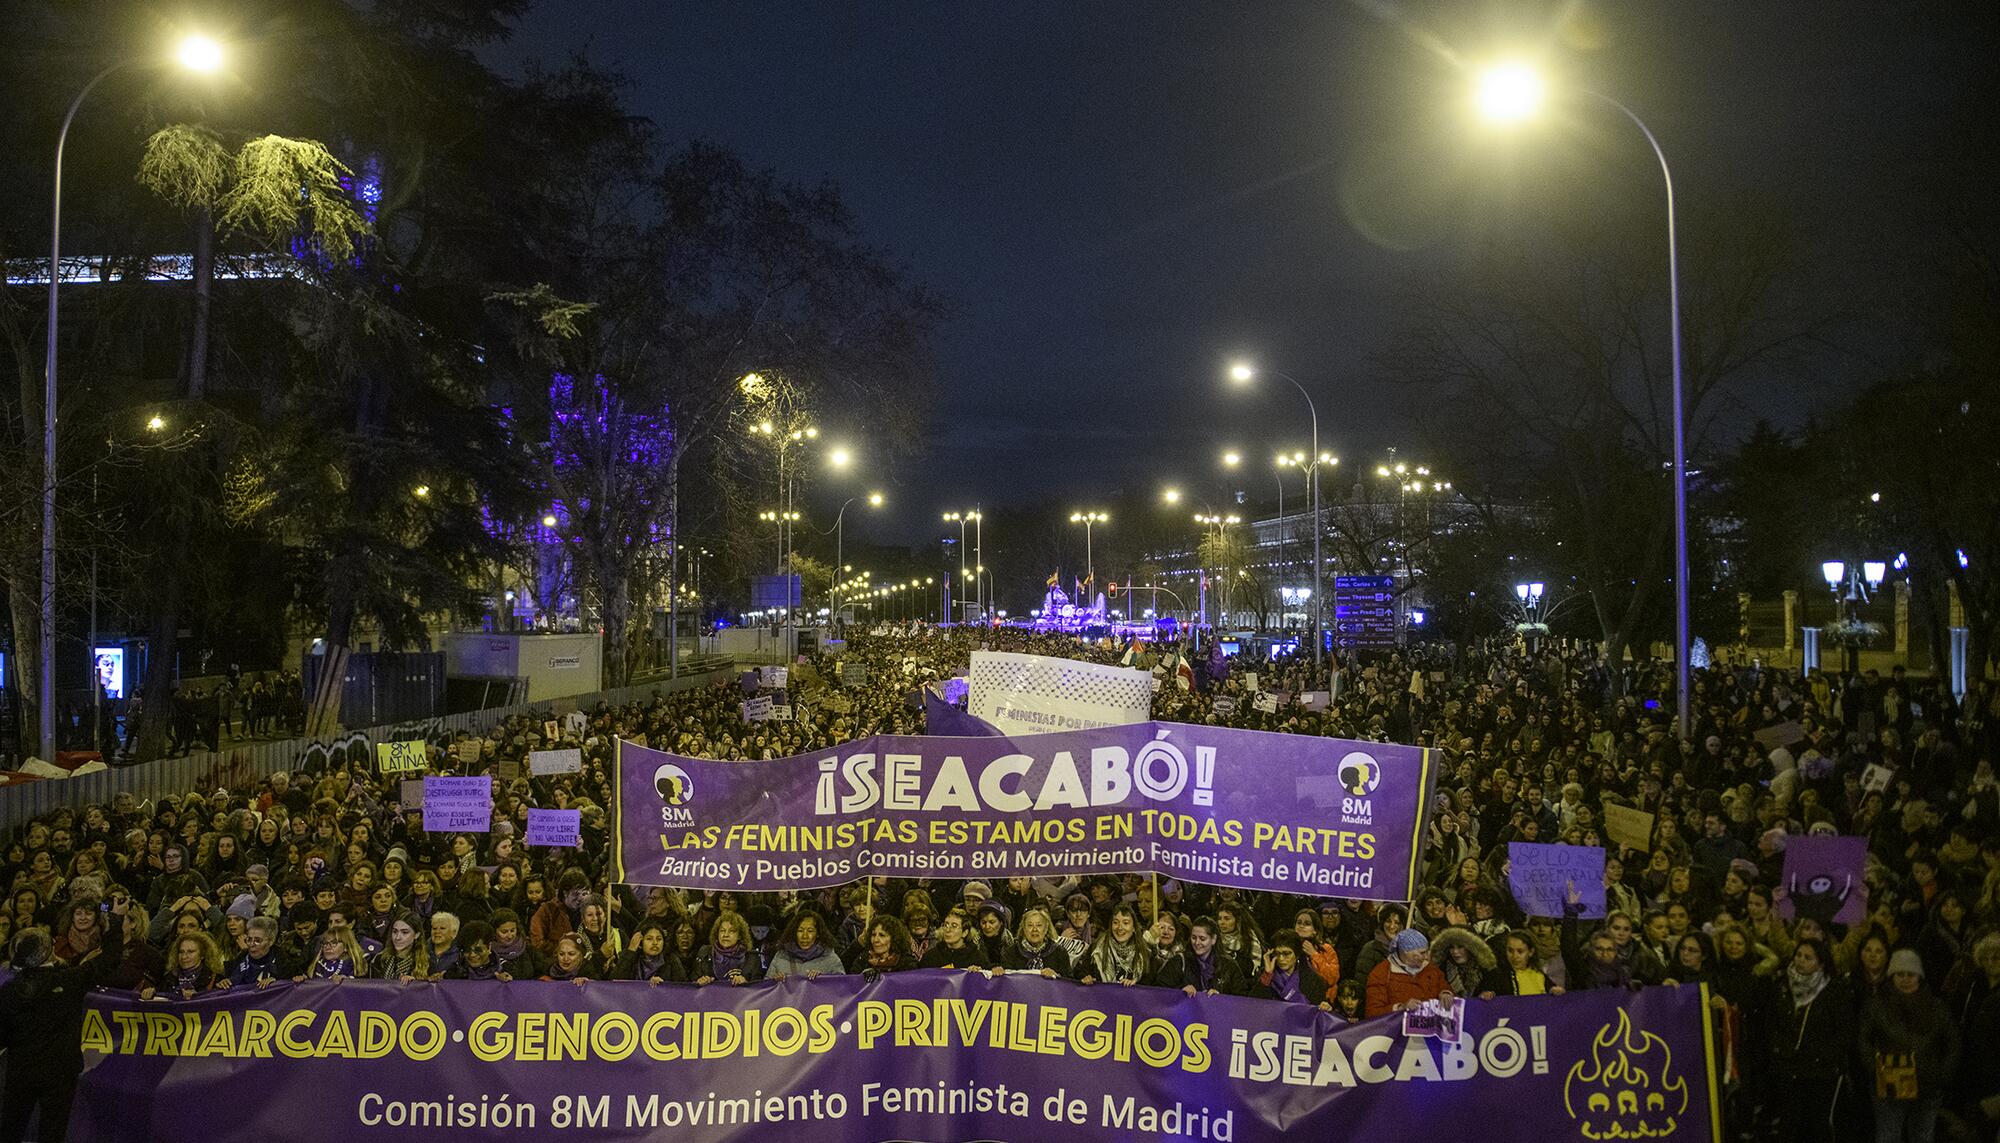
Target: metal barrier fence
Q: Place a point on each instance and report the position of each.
(25, 801)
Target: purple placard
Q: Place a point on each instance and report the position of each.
(853, 1062)
(1540, 876)
(1823, 878)
(555, 827)
(1281, 812)
(457, 805)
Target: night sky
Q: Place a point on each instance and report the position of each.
(1121, 197)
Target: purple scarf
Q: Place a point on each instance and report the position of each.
(1285, 986)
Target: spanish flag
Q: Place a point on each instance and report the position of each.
(1055, 578)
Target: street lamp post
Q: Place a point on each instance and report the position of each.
(1513, 93)
(839, 541)
(1861, 580)
(1087, 519)
(196, 53)
(1242, 373)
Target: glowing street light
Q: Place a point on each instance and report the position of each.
(1170, 495)
(1087, 519)
(839, 458)
(1242, 373)
(1511, 93)
(156, 423)
(195, 54)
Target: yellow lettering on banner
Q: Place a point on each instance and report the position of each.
(569, 1035)
(418, 1049)
(489, 1037)
(288, 1026)
(1111, 827)
(871, 1019)
(823, 1036)
(1054, 1031)
(335, 1039)
(1086, 1035)
(258, 1028)
(614, 1036)
(721, 1035)
(129, 1026)
(785, 1031)
(531, 1036)
(377, 1036)
(913, 1019)
(163, 1034)
(96, 1033)
(221, 1037)
(658, 1047)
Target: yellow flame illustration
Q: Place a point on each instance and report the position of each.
(1627, 1089)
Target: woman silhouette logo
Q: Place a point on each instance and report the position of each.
(674, 785)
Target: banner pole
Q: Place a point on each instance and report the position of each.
(1156, 896)
(869, 882)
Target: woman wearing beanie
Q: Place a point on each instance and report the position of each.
(1908, 1036)
(1405, 977)
(1810, 1025)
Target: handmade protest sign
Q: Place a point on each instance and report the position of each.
(773, 678)
(1287, 812)
(853, 674)
(1268, 703)
(1823, 879)
(1628, 827)
(470, 749)
(576, 722)
(1876, 777)
(458, 805)
(1540, 877)
(555, 827)
(757, 709)
(401, 757)
(555, 761)
(1783, 734)
(781, 712)
(410, 792)
(941, 1056)
(1435, 1018)
(1225, 706)
(551, 730)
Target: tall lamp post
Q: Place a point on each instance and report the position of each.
(1243, 373)
(1512, 93)
(1087, 519)
(1861, 581)
(839, 540)
(196, 54)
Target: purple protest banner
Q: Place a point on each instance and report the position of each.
(555, 827)
(457, 805)
(1282, 812)
(941, 1056)
(1823, 879)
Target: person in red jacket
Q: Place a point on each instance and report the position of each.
(1406, 977)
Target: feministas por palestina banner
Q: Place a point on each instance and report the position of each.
(1281, 812)
(936, 1055)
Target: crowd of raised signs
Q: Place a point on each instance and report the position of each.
(1847, 998)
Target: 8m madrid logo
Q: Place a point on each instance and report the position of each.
(676, 790)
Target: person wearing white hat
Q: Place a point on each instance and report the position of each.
(1908, 1035)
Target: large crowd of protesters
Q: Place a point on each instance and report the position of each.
(1889, 1025)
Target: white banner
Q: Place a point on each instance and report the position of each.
(1036, 694)
(555, 761)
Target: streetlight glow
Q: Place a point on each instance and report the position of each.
(199, 53)
(1232, 458)
(1171, 495)
(549, 521)
(874, 499)
(1242, 371)
(156, 423)
(1510, 93)
(839, 458)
